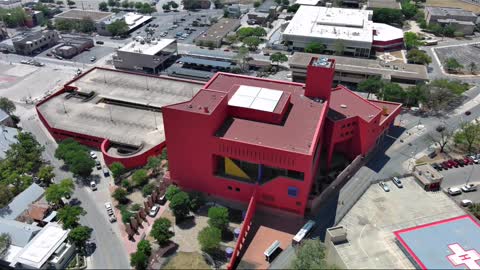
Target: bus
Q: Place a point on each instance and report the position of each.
(297, 239)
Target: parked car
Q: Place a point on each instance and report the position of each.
(466, 203)
(454, 191)
(432, 154)
(469, 188)
(460, 162)
(93, 185)
(474, 158)
(446, 165)
(93, 58)
(437, 166)
(153, 212)
(111, 214)
(397, 182)
(384, 186)
(453, 163)
(106, 172)
(468, 161)
(98, 165)
(93, 155)
(100, 42)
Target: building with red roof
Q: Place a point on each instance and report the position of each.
(241, 135)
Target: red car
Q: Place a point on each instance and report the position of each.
(453, 163)
(468, 160)
(446, 165)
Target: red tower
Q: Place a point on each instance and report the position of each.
(320, 73)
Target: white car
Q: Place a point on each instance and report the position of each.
(454, 191)
(153, 212)
(469, 188)
(384, 186)
(466, 203)
(93, 185)
(93, 155)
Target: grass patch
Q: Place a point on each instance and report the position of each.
(187, 260)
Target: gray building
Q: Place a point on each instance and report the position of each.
(73, 45)
(145, 55)
(462, 20)
(75, 15)
(355, 70)
(35, 42)
(217, 32)
(393, 4)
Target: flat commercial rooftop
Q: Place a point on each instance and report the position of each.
(150, 48)
(385, 32)
(383, 4)
(220, 29)
(132, 19)
(375, 217)
(331, 23)
(42, 246)
(78, 14)
(126, 107)
(447, 244)
(364, 66)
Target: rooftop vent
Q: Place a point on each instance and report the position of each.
(322, 62)
(343, 106)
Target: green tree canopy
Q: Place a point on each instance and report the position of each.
(103, 6)
(79, 236)
(23, 156)
(140, 177)
(180, 205)
(315, 47)
(171, 191)
(7, 105)
(411, 40)
(197, 200)
(117, 169)
(6, 195)
(252, 42)
(218, 217)
(418, 57)
(278, 57)
(5, 242)
(120, 195)
(452, 65)
(373, 84)
(118, 28)
(139, 260)
(46, 174)
(310, 255)
(13, 17)
(70, 215)
(161, 231)
(148, 189)
(209, 239)
(393, 92)
(55, 192)
(144, 247)
(409, 10)
(75, 156)
(293, 8)
(468, 135)
(256, 4)
(388, 16)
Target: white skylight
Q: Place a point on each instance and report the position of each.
(256, 98)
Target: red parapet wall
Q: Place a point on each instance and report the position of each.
(130, 162)
(247, 223)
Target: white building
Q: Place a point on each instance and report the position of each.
(48, 249)
(351, 29)
(133, 20)
(144, 55)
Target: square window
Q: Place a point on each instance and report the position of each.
(292, 191)
(237, 189)
(229, 188)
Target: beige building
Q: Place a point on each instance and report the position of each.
(217, 32)
(428, 178)
(462, 20)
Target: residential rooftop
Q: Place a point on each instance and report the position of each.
(364, 66)
(332, 23)
(126, 107)
(149, 48)
(21, 202)
(220, 29)
(79, 14)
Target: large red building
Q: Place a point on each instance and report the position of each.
(241, 135)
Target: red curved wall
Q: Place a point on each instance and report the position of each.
(131, 161)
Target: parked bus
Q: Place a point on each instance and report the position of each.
(303, 232)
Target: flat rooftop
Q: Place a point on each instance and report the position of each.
(220, 29)
(132, 19)
(150, 48)
(383, 4)
(448, 11)
(385, 32)
(43, 245)
(126, 107)
(332, 23)
(349, 104)
(372, 221)
(307, 2)
(78, 14)
(364, 66)
(443, 244)
(305, 114)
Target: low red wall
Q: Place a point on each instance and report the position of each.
(130, 162)
(247, 223)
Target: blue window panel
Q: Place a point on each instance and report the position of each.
(292, 192)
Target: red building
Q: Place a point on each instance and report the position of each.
(243, 134)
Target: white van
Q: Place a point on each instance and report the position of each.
(454, 191)
(93, 185)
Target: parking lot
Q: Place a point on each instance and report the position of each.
(99, 51)
(465, 54)
(457, 177)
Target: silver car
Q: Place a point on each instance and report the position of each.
(384, 186)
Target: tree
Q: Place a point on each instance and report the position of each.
(153, 164)
(117, 169)
(315, 47)
(70, 3)
(441, 136)
(5, 242)
(13, 17)
(171, 191)
(191, 4)
(140, 177)
(81, 164)
(161, 231)
(418, 57)
(388, 16)
(7, 105)
(111, 3)
(293, 8)
(70, 215)
(46, 174)
(180, 205)
(166, 7)
(252, 42)
(23, 156)
(147, 9)
(173, 4)
(373, 84)
(409, 10)
(451, 64)
(310, 255)
(197, 200)
(339, 47)
(139, 260)
(278, 2)
(147, 190)
(468, 135)
(118, 28)
(55, 192)
(473, 67)
(256, 4)
(144, 247)
(475, 209)
(6, 195)
(218, 217)
(411, 40)
(278, 57)
(79, 236)
(392, 92)
(103, 6)
(210, 238)
(285, 3)
(242, 57)
(120, 195)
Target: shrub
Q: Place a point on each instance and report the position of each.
(148, 189)
(161, 231)
(180, 205)
(197, 200)
(171, 191)
(218, 217)
(126, 184)
(120, 195)
(135, 207)
(209, 239)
